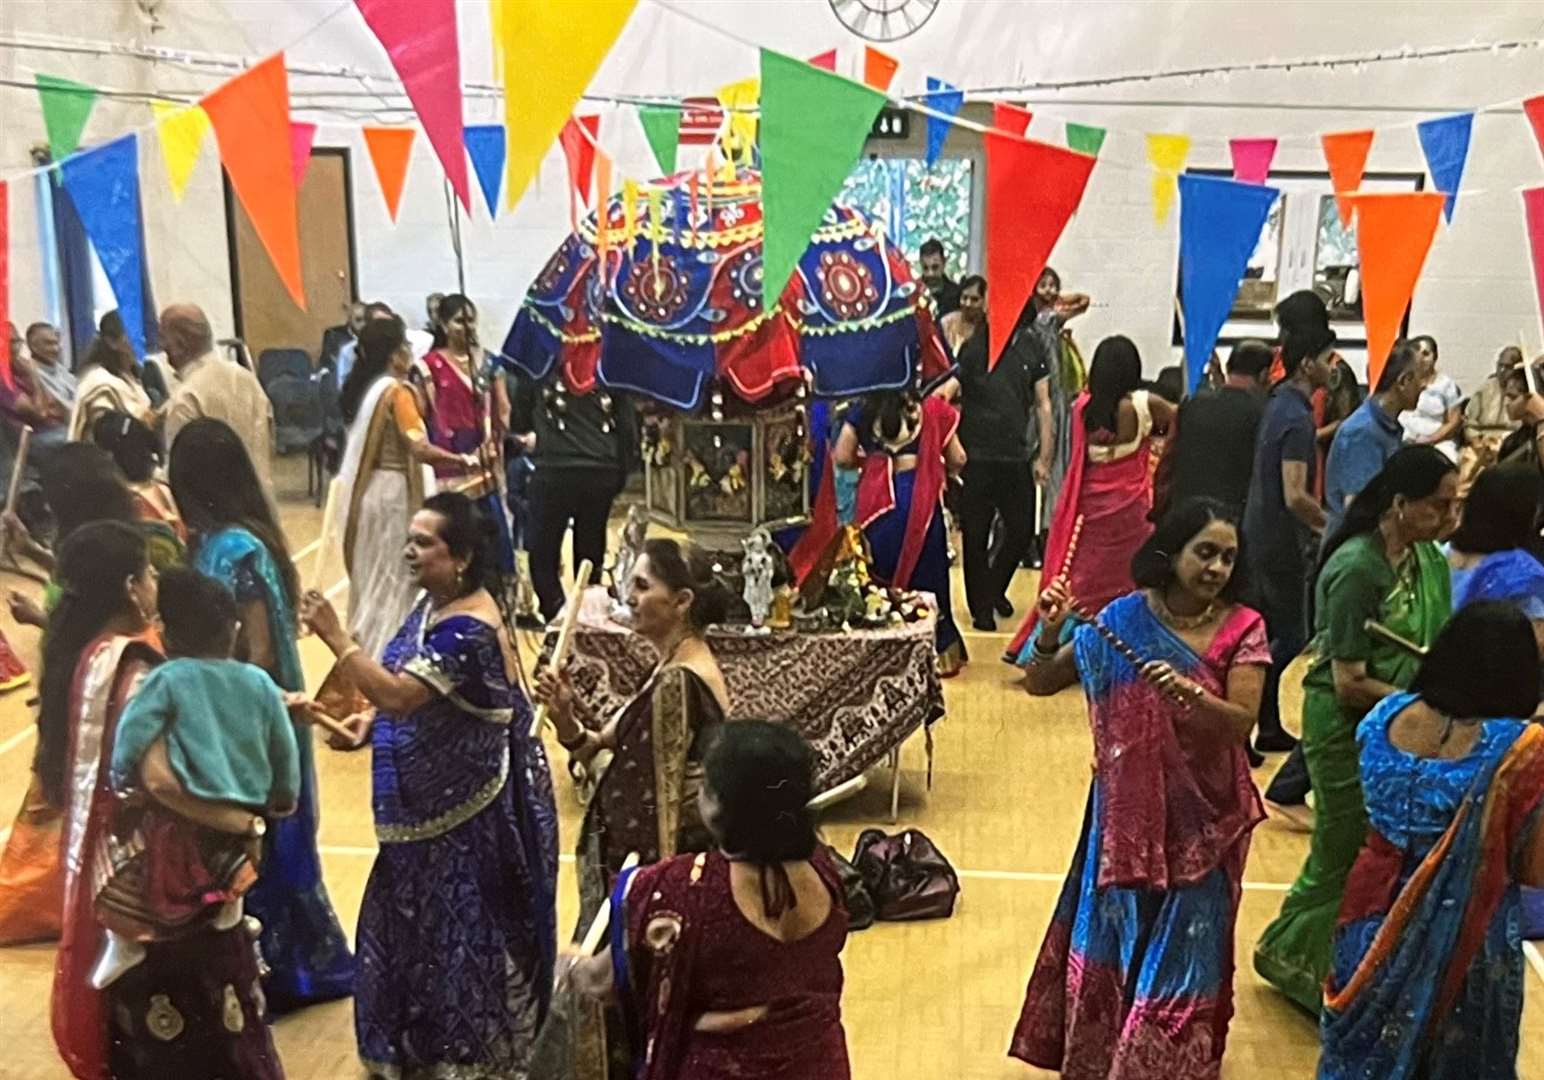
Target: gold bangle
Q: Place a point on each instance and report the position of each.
(348, 652)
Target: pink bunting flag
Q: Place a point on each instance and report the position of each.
(1252, 159)
(826, 61)
(302, 136)
(1533, 214)
(1534, 108)
(420, 38)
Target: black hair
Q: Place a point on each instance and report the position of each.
(1152, 567)
(1250, 358)
(198, 614)
(94, 565)
(1114, 372)
(1047, 272)
(973, 281)
(1519, 376)
(685, 566)
(135, 449)
(1483, 665)
(379, 339)
(469, 534)
(81, 484)
(1413, 472)
(1502, 510)
(378, 309)
(1430, 343)
(1170, 384)
(1304, 323)
(933, 246)
(1402, 358)
(451, 305)
(762, 776)
(35, 327)
(113, 354)
(216, 486)
(111, 325)
(887, 410)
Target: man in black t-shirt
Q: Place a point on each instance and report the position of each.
(935, 275)
(1002, 413)
(1211, 452)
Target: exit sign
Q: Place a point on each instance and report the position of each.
(891, 124)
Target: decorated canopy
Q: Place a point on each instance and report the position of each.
(680, 303)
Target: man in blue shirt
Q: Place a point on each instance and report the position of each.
(1372, 434)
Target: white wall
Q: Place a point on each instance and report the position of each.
(1476, 293)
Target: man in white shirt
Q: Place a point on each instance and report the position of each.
(208, 385)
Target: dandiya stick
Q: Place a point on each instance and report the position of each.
(1391, 637)
(1119, 644)
(831, 796)
(565, 635)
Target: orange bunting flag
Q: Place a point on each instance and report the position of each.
(1345, 153)
(1534, 109)
(878, 68)
(251, 120)
(1013, 119)
(391, 148)
(603, 209)
(1393, 234)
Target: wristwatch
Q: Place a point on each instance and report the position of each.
(257, 828)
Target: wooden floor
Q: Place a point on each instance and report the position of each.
(924, 1000)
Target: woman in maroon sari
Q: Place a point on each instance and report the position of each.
(728, 963)
(193, 1007)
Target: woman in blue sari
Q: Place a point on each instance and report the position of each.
(1494, 554)
(237, 541)
(1427, 965)
(457, 929)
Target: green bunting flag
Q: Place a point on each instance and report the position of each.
(1085, 139)
(813, 127)
(66, 105)
(662, 127)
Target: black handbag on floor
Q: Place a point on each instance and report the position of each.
(906, 874)
(856, 897)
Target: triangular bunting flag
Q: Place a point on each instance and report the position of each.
(1252, 159)
(739, 101)
(945, 98)
(251, 119)
(1025, 231)
(391, 148)
(1445, 142)
(103, 184)
(1533, 216)
(66, 106)
(5, 280)
(662, 127)
(878, 68)
(302, 137)
(1219, 228)
(578, 144)
(1085, 138)
(1166, 154)
(485, 146)
(182, 130)
(1534, 109)
(1345, 153)
(549, 56)
(420, 38)
(813, 127)
(1011, 118)
(825, 61)
(603, 209)
(1393, 234)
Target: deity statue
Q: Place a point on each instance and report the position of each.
(629, 546)
(756, 569)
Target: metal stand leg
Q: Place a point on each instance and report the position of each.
(895, 785)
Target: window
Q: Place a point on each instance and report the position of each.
(914, 203)
(1303, 246)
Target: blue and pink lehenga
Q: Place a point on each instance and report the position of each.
(1427, 976)
(1135, 978)
(302, 942)
(457, 930)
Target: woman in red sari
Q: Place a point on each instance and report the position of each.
(1109, 486)
(193, 1007)
(728, 963)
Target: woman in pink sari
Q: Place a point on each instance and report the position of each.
(1109, 486)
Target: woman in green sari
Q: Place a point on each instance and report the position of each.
(1382, 566)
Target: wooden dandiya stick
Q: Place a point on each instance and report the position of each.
(565, 635)
(1394, 638)
(1120, 645)
(322, 720)
(845, 790)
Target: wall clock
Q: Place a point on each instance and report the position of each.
(883, 20)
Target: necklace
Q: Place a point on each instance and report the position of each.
(1183, 622)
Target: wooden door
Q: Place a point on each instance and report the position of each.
(266, 317)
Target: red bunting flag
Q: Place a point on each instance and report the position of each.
(826, 61)
(1534, 108)
(1394, 231)
(420, 38)
(1345, 153)
(391, 148)
(5, 281)
(1252, 159)
(1533, 214)
(878, 68)
(1011, 118)
(251, 120)
(1025, 231)
(302, 137)
(580, 154)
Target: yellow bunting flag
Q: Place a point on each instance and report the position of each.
(182, 130)
(551, 51)
(656, 228)
(629, 211)
(740, 101)
(1166, 154)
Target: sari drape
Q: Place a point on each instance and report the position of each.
(1427, 979)
(1134, 980)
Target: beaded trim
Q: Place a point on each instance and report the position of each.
(460, 815)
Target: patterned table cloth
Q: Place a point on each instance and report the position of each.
(854, 695)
